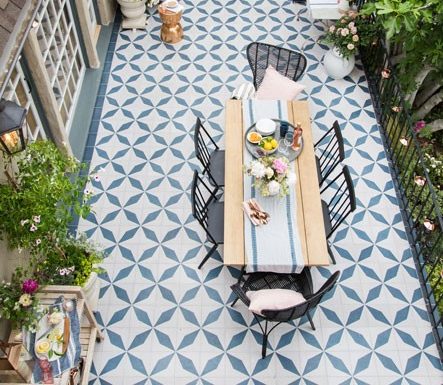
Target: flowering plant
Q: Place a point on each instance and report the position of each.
(18, 302)
(271, 175)
(71, 262)
(37, 209)
(349, 32)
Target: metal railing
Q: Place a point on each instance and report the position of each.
(419, 202)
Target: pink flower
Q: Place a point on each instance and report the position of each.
(350, 46)
(345, 32)
(332, 28)
(279, 166)
(29, 286)
(419, 125)
(354, 30)
(351, 25)
(355, 38)
(33, 228)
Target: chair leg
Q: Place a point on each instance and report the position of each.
(265, 339)
(264, 345)
(331, 255)
(310, 321)
(240, 279)
(207, 256)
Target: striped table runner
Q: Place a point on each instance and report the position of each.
(276, 246)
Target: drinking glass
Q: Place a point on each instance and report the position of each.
(289, 138)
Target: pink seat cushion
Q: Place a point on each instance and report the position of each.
(277, 87)
(273, 299)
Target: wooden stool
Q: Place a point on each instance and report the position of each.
(171, 31)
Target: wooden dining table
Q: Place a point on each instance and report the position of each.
(309, 209)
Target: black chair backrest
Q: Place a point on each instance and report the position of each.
(342, 202)
(300, 310)
(332, 153)
(201, 196)
(201, 139)
(288, 63)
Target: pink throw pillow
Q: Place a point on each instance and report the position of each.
(273, 299)
(277, 87)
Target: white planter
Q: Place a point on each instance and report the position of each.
(336, 66)
(92, 290)
(134, 13)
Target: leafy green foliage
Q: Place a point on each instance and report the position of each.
(40, 207)
(35, 214)
(417, 25)
(71, 263)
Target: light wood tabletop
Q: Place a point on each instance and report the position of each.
(309, 210)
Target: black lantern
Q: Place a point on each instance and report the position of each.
(12, 118)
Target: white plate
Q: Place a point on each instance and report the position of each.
(266, 127)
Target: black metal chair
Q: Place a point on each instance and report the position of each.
(208, 211)
(340, 205)
(297, 282)
(213, 161)
(331, 154)
(288, 63)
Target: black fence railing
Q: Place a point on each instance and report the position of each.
(419, 202)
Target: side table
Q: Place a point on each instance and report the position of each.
(171, 31)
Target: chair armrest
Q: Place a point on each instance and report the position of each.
(240, 293)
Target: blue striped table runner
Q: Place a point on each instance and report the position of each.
(276, 246)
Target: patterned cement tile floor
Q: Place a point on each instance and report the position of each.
(167, 322)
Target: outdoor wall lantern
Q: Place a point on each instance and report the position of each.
(12, 118)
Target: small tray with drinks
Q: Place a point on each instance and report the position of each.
(285, 140)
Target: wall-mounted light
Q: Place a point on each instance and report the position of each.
(12, 119)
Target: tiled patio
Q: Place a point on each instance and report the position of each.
(167, 322)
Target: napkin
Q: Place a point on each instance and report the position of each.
(255, 213)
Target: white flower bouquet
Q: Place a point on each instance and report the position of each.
(271, 175)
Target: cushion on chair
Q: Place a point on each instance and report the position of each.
(273, 299)
(216, 220)
(217, 167)
(275, 86)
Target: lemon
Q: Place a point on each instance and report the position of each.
(42, 346)
(267, 146)
(274, 143)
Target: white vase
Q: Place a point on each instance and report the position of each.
(91, 289)
(336, 66)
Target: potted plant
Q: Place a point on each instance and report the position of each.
(71, 261)
(348, 33)
(49, 188)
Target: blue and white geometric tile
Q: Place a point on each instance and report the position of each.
(167, 322)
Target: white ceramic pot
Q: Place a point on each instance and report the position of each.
(336, 66)
(132, 9)
(92, 290)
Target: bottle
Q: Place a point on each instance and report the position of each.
(298, 132)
